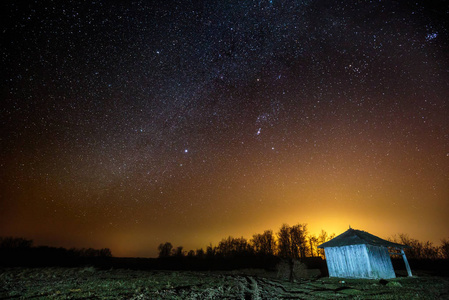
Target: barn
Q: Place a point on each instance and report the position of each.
(359, 254)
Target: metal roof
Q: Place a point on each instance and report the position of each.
(359, 237)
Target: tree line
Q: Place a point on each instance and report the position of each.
(20, 251)
(422, 250)
(292, 242)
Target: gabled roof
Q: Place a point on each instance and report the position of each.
(359, 237)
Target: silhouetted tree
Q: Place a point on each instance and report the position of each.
(81, 252)
(298, 237)
(430, 251)
(444, 249)
(241, 247)
(268, 243)
(230, 247)
(224, 247)
(292, 241)
(418, 250)
(15, 243)
(285, 247)
(178, 251)
(284, 242)
(165, 249)
(199, 253)
(322, 238)
(210, 251)
(264, 244)
(90, 252)
(105, 252)
(313, 240)
(191, 254)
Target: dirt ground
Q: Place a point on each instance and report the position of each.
(90, 283)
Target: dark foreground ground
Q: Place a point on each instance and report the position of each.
(92, 283)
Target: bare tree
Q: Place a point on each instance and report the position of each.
(313, 240)
(264, 244)
(210, 251)
(256, 243)
(230, 247)
(165, 249)
(15, 243)
(322, 238)
(418, 250)
(285, 248)
(199, 253)
(444, 249)
(284, 242)
(178, 251)
(298, 236)
(292, 241)
(105, 252)
(430, 251)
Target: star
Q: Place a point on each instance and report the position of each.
(135, 111)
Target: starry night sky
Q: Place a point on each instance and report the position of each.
(126, 125)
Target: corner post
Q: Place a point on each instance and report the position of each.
(407, 266)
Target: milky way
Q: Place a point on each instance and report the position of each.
(126, 125)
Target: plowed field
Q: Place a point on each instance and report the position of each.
(90, 283)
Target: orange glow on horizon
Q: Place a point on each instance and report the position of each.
(167, 124)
